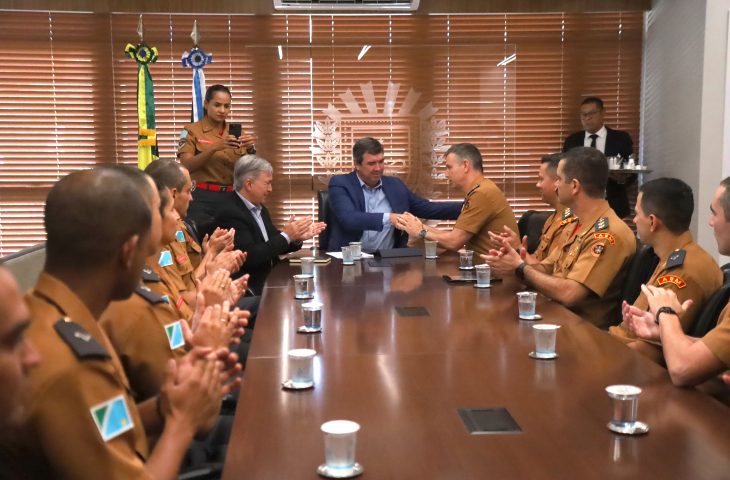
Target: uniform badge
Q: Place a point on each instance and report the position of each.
(602, 224)
(174, 333)
(181, 143)
(180, 236)
(567, 213)
(676, 259)
(167, 299)
(112, 418)
(676, 280)
(165, 258)
(605, 236)
(181, 259)
(179, 302)
(597, 250)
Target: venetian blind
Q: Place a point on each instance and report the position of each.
(510, 84)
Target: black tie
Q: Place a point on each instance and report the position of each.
(593, 138)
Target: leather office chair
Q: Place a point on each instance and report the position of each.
(193, 230)
(640, 270)
(530, 224)
(707, 319)
(323, 215)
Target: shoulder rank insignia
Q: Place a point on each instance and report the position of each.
(112, 418)
(664, 279)
(605, 236)
(602, 224)
(174, 333)
(567, 213)
(165, 259)
(676, 259)
(81, 342)
(180, 236)
(149, 276)
(149, 295)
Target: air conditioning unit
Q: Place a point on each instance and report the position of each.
(347, 5)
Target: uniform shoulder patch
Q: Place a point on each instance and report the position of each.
(676, 259)
(112, 418)
(675, 279)
(165, 259)
(180, 236)
(148, 275)
(598, 249)
(184, 134)
(601, 224)
(605, 236)
(174, 334)
(81, 342)
(149, 295)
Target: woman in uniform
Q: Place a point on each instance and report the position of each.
(209, 151)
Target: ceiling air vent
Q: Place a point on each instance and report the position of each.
(348, 5)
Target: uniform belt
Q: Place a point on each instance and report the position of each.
(213, 187)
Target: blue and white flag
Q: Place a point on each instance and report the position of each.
(197, 59)
(112, 418)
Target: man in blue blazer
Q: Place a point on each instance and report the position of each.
(609, 141)
(366, 204)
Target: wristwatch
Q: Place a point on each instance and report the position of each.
(422, 233)
(669, 310)
(520, 271)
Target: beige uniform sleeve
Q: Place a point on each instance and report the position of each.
(598, 263)
(186, 143)
(718, 339)
(477, 212)
(70, 440)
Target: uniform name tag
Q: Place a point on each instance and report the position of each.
(174, 333)
(180, 236)
(181, 259)
(112, 418)
(165, 258)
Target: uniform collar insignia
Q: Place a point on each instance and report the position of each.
(676, 259)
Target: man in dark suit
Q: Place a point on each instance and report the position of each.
(611, 142)
(367, 204)
(243, 210)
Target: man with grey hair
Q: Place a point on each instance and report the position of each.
(256, 234)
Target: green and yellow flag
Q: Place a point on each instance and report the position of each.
(147, 135)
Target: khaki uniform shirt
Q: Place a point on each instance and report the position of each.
(596, 254)
(182, 261)
(718, 339)
(485, 208)
(198, 137)
(82, 421)
(554, 226)
(195, 251)
(166, 282)
(145, 333)
(690, 272)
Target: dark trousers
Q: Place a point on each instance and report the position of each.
(204, 208)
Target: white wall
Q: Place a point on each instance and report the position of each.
(685, 59)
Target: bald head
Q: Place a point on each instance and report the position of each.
(17, 356)
(89, 214)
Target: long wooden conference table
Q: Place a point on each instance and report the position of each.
(404, 377)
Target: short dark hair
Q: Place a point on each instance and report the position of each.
(166, 172)
(596, 100)
(89, 214)
(210, 92)
(363, 146)
(589, 167)
(552, 160)
(467, 151)
(671, 200)
(725, 198)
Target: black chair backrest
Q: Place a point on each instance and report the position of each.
(707, 319)
(725, 273)
(323, 213)
(530, 224)
(193, 230)
(640, 270)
